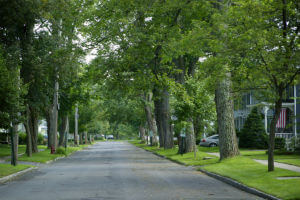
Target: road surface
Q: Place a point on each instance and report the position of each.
(117, 170)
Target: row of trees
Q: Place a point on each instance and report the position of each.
(176, 57)
(41, 66)
(161, 66)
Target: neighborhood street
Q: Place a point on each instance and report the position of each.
(117, 170)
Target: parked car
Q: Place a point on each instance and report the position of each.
(110, 137)
(211, 141)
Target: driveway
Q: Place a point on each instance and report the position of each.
(117, 170)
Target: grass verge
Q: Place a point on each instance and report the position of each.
(7, 169)
(5, 149)
(202, 158)
(242, 169)
(292, 159)
(45, 156)
(253, 174)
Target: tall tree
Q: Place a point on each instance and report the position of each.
(267, 40)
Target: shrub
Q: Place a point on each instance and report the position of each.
(175, 142)
(3, 137)
(279, 143)
(253, 134)
(40, 138)
(61, 150)
(22, 138)
(295, 144)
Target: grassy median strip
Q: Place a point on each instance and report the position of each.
(7, 169)
(242, 169)
(253, 174)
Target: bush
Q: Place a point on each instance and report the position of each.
(22, 138)
(61, 150)
(279, 143)
(295, 144)
(3, 136)
(253, 134)
(40, 138)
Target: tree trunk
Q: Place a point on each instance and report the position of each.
(165, 120)
(278, 106)
(190, 138)
(34, 129)
(85, 138)
(150, 118)
(28, 133)
(53, 118)
(158, 115)
(76, 126)
(31, 126)
(142, 134)
(226, 129)
(198, 127)
(14, 142)
(63, 130)
(80, 138)
(48, 128)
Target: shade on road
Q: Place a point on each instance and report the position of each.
(117, 170)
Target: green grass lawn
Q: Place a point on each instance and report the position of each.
(172, 154)
(261, 155)
(253, 174)
(208, 149)
(7, 169)
(41, 157)
(5, 149)
(45, 155)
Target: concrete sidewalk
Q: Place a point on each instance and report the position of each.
(265, 162)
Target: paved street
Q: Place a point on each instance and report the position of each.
(117, 170)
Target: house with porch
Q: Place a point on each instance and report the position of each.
(288, 124)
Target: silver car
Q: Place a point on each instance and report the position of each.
(211, 141)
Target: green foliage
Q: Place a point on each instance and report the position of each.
(40, 138)
(253, 134)
(22, 138)
(295, 144)
(279, 143)
(61, 150)
(3, 137)
(7, 169)
(253, 174)
(10, 98)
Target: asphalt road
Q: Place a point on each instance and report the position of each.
(117, 170)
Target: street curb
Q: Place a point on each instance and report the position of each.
(239, 185)
(58, 158)
(229, 181)
(15, 175)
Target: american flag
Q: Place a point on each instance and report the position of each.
(282, 119)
